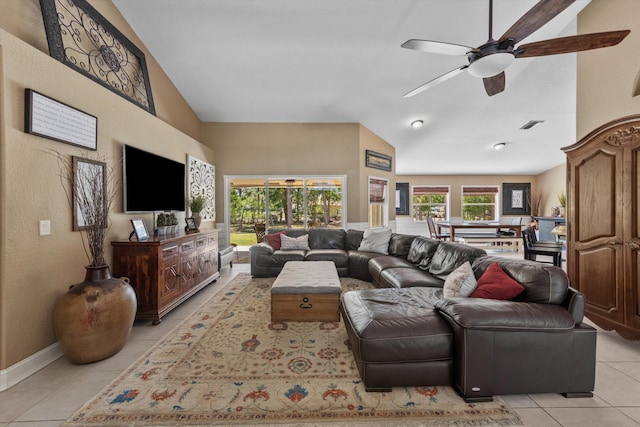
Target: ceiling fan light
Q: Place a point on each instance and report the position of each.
(490, 65)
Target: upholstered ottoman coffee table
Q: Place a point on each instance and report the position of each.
(306, 291)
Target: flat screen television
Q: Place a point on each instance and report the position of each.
(151, 182)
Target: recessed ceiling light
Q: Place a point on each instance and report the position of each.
(499, 145)
(417, 124)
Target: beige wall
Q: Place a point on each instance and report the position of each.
(608, 78)
(551, 183)
(371, 141)
(23, 19)
(35, 270)
(297, 148)
(455, 182)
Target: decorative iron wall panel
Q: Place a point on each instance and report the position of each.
(81, 38)
(202, 182)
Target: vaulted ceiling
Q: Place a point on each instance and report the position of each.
(334, 61)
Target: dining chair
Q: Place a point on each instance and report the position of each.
(434, 232)
(516, 222)
(260, 229)
(532, 250)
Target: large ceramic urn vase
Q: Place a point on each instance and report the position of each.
(93, 320)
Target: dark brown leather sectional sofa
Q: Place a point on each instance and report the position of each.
(406, 333)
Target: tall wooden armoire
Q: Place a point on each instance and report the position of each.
(603, 224)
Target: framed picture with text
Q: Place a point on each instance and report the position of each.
(515, 198)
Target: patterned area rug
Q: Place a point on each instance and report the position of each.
(229, 365)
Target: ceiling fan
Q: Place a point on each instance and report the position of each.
(491, 59)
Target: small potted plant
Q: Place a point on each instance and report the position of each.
(173, 222)
(562, 198)
(196, 204)
(162, 223)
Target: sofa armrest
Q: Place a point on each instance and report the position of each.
(495, 315)
(261, 248)
(575, 302)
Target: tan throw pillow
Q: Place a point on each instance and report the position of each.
(376, 240)
(460, 283)
(292, 243)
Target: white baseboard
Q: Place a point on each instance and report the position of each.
(29, 366)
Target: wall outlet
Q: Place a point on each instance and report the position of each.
(45, 227)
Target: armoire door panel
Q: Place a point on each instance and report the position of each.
(631, 182)
(632, 290)
(600, 280)
(596, 177)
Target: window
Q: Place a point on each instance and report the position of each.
(480, 203)
(282, 202)
(378, 202)
(430, 201)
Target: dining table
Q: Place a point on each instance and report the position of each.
(464, 225)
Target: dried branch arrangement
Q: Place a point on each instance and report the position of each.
(90, 186)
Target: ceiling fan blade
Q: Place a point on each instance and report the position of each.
(494, 85)
(543, 12)
(571, 44)
(436, 81)
(436, 47)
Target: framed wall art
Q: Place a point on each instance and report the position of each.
(83, 39)
(202, 182)
(89, 193)
(515, 198)
(46, 117)
(378, 160)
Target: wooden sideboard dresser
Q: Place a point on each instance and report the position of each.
(166, 270)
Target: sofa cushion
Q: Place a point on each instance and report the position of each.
(460, 283)
(359, 264)
(400, 244)
(421, 251)
(543, 283)
(327, 238)
(353, 239)
(496, 284)
(338, 256)
(402, 277)
(279, 258)
(449, 256)
(382, 262)
(274, 240)
(376, 240)
(294, 243)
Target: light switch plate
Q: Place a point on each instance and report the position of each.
(45, 227)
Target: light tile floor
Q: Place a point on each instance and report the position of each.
(54, 393)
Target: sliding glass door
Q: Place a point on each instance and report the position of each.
(282, 202)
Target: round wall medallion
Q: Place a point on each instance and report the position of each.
(110, 58)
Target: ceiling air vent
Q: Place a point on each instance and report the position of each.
(531, 124)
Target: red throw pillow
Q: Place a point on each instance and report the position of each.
(274, 240)
(496, 284)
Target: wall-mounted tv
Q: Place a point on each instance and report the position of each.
(151, 182)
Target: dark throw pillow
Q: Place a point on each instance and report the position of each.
(496, 284)
(274, 240)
